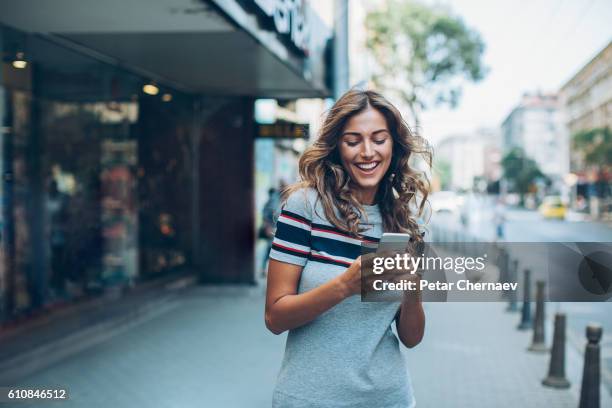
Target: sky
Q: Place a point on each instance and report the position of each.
(530, 46)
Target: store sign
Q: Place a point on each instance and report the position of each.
(282, 130)
(289, 19)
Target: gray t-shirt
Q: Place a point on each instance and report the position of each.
(348, 356)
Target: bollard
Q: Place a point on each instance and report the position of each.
(556, 369)
(513, 277)
(591, 373)
(538, 342)
(503, 271)
(526, 322)
(503, 266)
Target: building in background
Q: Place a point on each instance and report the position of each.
(587, 105)
(587, 97)
(128, 137)
(536, 127)
(472, 161)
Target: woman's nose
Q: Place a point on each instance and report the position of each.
(368, 149)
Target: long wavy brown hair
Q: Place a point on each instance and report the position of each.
(403, 191)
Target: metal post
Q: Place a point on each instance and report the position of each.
(538, 343)
(513, 276)
(556, 370)
(591, 374)
(502, 266)
(526, 322)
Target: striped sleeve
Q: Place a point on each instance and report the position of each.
(292, 239)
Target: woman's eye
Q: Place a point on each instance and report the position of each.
(380, 141)
(352, 143)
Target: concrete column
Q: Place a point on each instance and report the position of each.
(341, 61)
(226, 196)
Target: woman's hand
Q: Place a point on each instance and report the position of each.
(351, 278)
(410, 276)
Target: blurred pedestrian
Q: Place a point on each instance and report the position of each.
(499, 219)
(268, 224)
(464, 216)
(356, 183)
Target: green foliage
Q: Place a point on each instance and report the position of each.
(521, 171)
(595, 146)
(442, 168)
(423, 53)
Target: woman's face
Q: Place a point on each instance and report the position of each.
(365, 148)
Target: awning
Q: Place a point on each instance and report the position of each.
(199, 47)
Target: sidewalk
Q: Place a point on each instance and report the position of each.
(210, 350)
(56, 335)
(213, 350)
(473, 356)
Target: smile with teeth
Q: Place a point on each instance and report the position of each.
(367, 166)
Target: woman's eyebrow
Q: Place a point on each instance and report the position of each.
(355, 133)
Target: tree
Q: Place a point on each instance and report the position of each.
(423, 53)
(521, 172)
(595, 146)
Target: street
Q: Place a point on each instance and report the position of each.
(529, 226)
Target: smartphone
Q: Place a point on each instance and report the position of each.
(391, 241)
(399, 243)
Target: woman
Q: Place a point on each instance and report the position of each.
(356, 183)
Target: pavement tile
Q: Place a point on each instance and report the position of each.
(213, 350)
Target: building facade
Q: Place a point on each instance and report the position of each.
(587, 105)
(473, 159)
(128, 137)
(536, 126)
(587, 97)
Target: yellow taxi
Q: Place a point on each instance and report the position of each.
(552, 207)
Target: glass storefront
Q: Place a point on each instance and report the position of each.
(96, 189)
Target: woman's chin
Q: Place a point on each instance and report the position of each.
(367, 186)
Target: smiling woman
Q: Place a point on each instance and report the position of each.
(365, 151)
(356, 184)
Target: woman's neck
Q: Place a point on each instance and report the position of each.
(366, 197)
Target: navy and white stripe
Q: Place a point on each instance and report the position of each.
(298, 239)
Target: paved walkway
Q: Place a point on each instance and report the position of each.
(472, 356)
(212, 350)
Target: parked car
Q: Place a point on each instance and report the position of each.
(448, 201)
(552, 207)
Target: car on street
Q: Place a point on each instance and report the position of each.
(552, 207)
(446, 201)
